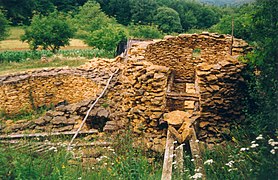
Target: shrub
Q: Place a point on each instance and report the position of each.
(145, 31)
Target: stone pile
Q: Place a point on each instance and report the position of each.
(220, 87)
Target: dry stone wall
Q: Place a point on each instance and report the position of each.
(22, 92)
(220, 87)
(182, 53)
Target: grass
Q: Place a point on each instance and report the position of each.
(15, 32)
(14, 67)
(125, 162)
(13, 42)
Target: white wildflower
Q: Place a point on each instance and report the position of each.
(230, 164)
(208, 162)
(196, 176)
(272, 151)
(272, 142)
(79, 178)
(253, 142)
(233, 169)
(254, 145)
(259, 137)
(192, 160)
(244, 149)
(276, 147)
(197, 170)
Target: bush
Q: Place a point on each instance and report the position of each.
(145, 31)
(106, 38)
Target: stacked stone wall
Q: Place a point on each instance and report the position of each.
(221, 90)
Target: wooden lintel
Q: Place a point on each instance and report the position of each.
(171, 94)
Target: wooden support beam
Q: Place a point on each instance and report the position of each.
(170, 82)
(183, 96)
(168, 157)
(17, 136)
(196, 154)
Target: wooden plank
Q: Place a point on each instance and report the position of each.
(180, 160)
(170, 82)
(16, 136)
(168, 158)
(196, 154)
(171, 94)
(183, 98)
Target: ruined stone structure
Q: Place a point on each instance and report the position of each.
(193, 73)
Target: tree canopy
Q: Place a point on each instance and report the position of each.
(50, 32)
(3, 26)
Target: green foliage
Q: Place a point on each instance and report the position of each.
(168, 20)
(106, 38)
(242, 23)
(20, 56)
(143, 11)
(243, 160)
(3, 26)
(90, 18)
(50, 32)
(145, 31)
(120, 9)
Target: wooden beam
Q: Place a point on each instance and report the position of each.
(168, 158)
(171, 94)
(17, 136)
(170, 82)
(180, 160)
(196, 154)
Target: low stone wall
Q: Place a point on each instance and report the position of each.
(25, 91)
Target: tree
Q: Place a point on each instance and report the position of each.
(142, 11)
(3, 26)
(18, 11)
(90, 18)
(50, 32)
(168, 20)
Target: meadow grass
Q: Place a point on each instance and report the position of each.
(125, 162)
(14, 67)
(15, 32)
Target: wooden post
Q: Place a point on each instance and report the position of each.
(231, 50)
(168, 158)
(196, 153)
(180, 160)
